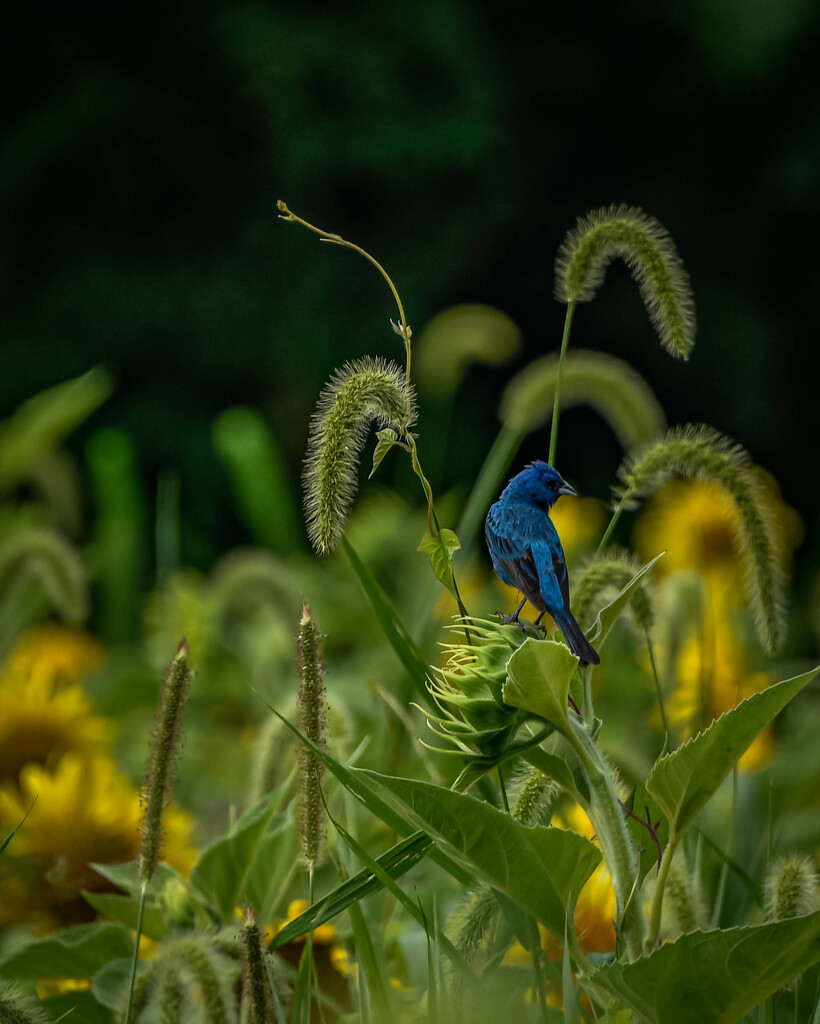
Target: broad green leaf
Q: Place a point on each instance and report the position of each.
(387, 438)
(78, 1008)
(252, 863)
(608, 615)
(111, 983)
(125, 876)
(356, 784)
(538, 677)
(683, 781)
(541, 869)
(126, 910)
(397, 861)
(77, 952)
(440, 551)
(716, 976)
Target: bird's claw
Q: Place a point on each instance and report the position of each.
(511, 620)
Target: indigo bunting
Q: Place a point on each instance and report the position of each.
(527, 553)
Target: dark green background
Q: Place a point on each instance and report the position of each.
(145, 145)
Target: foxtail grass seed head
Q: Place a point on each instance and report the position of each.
(606, 384)
(704, 454)
(627, 233)
(166, 739)
(609, 574)
(18, 1008)
(363, 392)
(254, 972)
(193, 956)
(533, 793)
(311, 719)
(681, 901)
(791, 888)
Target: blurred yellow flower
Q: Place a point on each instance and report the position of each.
(580, 523)
(595, 912)
(85, 811)
(52, 653)
(711, 677)
(41, 722)
(695, 523)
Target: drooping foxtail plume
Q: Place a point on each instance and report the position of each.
(311, 705)
(166, 739)
(193, 956)
(606, 384)
(363, 392)
(628, 233)
(42, 553)
(18, 1008)
(703, 453)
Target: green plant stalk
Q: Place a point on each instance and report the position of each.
(657, 899)
(485, 489)
(616, 515)
(616, 843)
(140, 916)
(556, 407)
(655, 676)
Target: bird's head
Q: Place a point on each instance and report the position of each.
(539, 485)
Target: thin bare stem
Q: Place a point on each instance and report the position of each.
(556, 407)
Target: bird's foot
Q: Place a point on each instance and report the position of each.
(511, 620)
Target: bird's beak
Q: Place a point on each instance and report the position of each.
(566, 488)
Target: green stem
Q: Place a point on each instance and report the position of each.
(657, 900)
(503, 789)
(556, 406)
(655, 676)
(485, 489)
(617, 847)
(309, 948)
(140, 915)
(616, 515)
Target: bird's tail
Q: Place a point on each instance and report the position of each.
(575, 639)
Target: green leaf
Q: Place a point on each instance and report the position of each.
(77, 1008)
(392, 626)
(112, 981)
(44, 421)
(397, 861)
(683, 781)
(254, 862)
(440, 551)
(387, 438)
(538, 678)
(356, 784)
(608, 615)
(126, 910)
(541, 869)
(77, 952)
(715, 976)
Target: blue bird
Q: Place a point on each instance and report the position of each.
(527, 553)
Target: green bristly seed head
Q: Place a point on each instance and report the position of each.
(18, 1008)
(681, 900)
(363, 392)
(532, 795)
(791, 888)
(41, 552)
(192, 956)
(311, 705)
(606, 575)
(254, 973)
(627, 233)
(166, 739)
(704, 454)
(608, 385)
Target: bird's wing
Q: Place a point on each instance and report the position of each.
(511, 553)
(548, 558)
